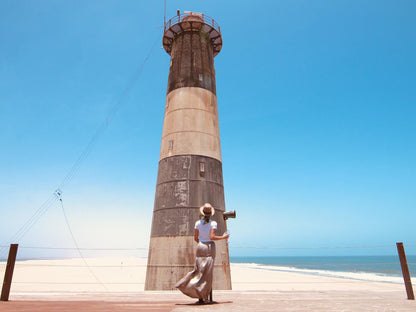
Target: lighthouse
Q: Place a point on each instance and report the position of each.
(190, 165)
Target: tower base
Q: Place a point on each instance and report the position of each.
(172, 257)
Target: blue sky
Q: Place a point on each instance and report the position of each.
(316, 106)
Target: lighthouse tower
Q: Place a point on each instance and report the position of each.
(190, 167)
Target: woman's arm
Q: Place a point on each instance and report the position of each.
(196, 235)
(213, 236)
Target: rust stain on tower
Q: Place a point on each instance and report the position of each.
(190, 167)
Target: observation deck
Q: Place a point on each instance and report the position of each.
(191, 21)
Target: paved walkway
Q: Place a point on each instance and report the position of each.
(239, 301)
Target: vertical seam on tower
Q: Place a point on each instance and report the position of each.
(181, 54)
(202, 83)
(192, 57)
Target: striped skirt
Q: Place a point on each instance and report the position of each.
(198, 283)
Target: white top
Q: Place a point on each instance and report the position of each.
(205, 230)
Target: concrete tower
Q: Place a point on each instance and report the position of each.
(190, 167)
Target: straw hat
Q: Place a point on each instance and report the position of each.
(207, 205)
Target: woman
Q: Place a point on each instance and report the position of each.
(198, 283)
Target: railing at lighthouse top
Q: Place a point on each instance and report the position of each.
(192, 21)
(206, 19)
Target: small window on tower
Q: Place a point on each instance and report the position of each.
(202, 168)
(171, 145)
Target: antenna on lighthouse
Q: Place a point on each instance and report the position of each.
(164, 17)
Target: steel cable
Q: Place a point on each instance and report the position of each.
(76, 244)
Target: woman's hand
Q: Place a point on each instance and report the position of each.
(225, 236)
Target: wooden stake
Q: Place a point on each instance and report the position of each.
(8, 275)
(405, 271)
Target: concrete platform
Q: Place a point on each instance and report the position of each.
(328, 301)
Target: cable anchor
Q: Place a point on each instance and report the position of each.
(58, 194)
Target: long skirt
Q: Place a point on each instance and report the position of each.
(198, 283)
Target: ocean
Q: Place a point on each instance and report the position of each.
(368, 268)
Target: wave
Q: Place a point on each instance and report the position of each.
(362, 276)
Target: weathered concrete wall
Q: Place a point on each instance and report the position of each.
(181, 189)
(171, 257)
(192, 62)
(190, 124)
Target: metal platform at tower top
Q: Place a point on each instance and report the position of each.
(191, 21)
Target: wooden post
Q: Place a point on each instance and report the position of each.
(405, 271)
(8, 275)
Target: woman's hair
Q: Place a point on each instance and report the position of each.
(206, 218)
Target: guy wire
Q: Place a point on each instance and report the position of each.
(77, 247)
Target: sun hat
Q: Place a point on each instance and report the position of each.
(207, 205)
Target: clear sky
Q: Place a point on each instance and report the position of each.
(317, 121)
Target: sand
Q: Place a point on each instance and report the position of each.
(126, 275)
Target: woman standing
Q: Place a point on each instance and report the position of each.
(198, 283)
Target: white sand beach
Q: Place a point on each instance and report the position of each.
(127, 275)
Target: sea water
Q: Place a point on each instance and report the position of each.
(369, 268)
